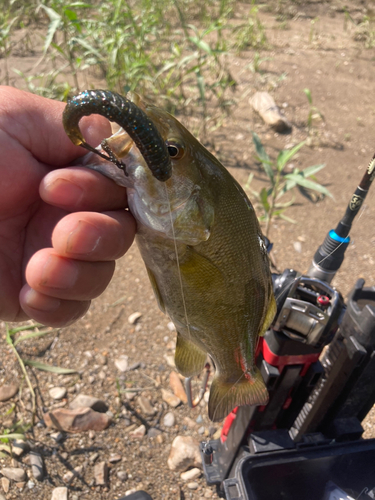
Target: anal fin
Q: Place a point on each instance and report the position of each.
(224, 395)
(189, 359)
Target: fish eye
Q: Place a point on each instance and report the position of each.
(175, 150)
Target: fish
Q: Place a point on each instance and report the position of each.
(199, 237)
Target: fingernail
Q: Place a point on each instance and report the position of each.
(64, 192)
(84, 239)
(41, 302)
(59, 273)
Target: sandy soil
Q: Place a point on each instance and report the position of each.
(311, 46)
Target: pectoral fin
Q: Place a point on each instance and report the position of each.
(226, 395)
(189, 359)
(156, 290)
(200, 273)
(270, 314)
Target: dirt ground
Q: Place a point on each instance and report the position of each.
(311, 45)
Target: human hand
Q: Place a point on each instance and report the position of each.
(60, 229)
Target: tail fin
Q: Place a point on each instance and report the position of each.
(224, 395)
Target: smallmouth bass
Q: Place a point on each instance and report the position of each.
(198, 236)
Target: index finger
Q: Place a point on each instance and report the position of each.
(81, 189)
(22, 113)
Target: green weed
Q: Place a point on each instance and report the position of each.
(7, 25)
(13, 338)
(365, 32)
(313, 110)
(312, 33)
(255, 64)
(139, 46)
(252, 34)
(280, 183)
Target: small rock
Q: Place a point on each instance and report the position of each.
(130, 395)
(297, 246)
(133, 318)
(30, 485)
(171, 327)
(102, 358)
(14, 473)
(122, 475)
(57, 436)
(92, 435)
(201, 430)
(146, 406)
(114, 458)
(193, 486)
(78, 420)
(122, 363)
(2, 497)
(134, 366)
(170, 398)
(199, 419)
(21, 485)
(19, 447)
(131, 427)
(84, 401)
(129, 492)
(184, 454)
(70, 475)
(93, 457)
(264, 104)
(170, 361)
(57, 392)
(5, 483)
(153, 432)
(189, 422)
(191, 474)
(177, 387)
(37, 468)
(60, 493)
(138, 433)
(101, 474)
(169, 419)
(208, 493)
(159, 439)
(8, 391)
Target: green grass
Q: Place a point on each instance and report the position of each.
(174, 52)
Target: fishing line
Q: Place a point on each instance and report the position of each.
(177, 261)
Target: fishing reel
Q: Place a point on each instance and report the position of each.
(308, 309)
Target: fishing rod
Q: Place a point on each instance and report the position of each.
(330, 255)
